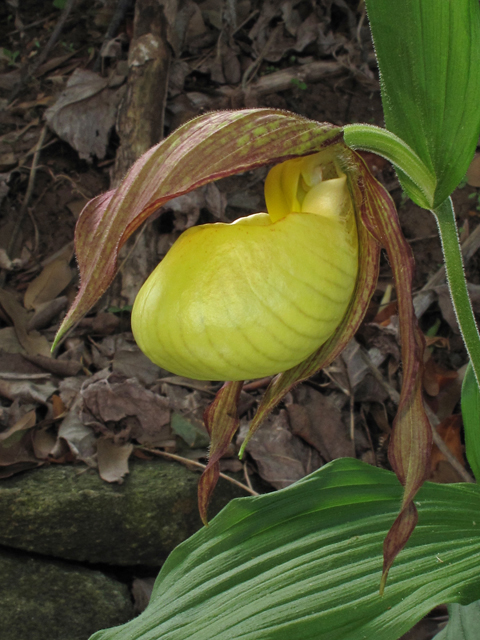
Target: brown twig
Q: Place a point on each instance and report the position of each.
(27, 74)
(253, 68)
(26, 201)
(118, 15)
(247, 479)
(23, 210)
(55, 35)
(199, 465)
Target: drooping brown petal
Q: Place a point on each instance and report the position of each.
(369, 256)
(208, 148)
(221, 421)
(411, 442)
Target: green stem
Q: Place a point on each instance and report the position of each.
(420, 181)
(457, 283)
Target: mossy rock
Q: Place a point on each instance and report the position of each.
(69, 512)
(53, 600)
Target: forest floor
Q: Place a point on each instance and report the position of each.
(60, 135)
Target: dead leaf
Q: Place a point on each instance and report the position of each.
(51, 281)
(17, 364)
(4, 188)
(58, 407)
(44, 443)
(114, 399)
(16, 454)
(130, 362)
(80, 439)
(436, 377)
(282, 458)
(31, 341)
(194, 436)
(69, 390)
(102, 324)
(113, 459)
(319, 422)
(473, 172)
(26, 391)
(181, 399)
(361, 380)
(85, 112)
(437, 341)
(46, 312)
(141, 591)
(26, 422)
(450, 432)
(9, 342)
(57, 367)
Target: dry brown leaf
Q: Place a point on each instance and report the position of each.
(46, 312)
(16, 454)
(113, 459)
(9, 342)
(58, 407)
(141, 591)
(44, 443)
(26, 422)
(19, 366)
(436, 377)
(26, 391)
(85, 113)
(51, 281)
(473, 172)
(31, 341)
(102, 324)
(282, 458)
(132, 363)
(126, 405)
(319, 422)
(80, 439)
(57, 367)
(361, 380)
(450, 432)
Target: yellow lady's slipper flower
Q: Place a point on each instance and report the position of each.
(255, 297)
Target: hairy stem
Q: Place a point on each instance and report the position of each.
(457, 283)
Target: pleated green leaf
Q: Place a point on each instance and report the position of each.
(463, 623)
(471, 419)
(428, 53)
(305, 564)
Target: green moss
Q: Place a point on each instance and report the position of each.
(69, 512)
(53, 600)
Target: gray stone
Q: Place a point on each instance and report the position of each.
(53, 600)
(69, 512)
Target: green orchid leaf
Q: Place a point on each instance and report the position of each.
(304, 564)
(428, 54)
(471, 419)
(463, 623)
(209, 147)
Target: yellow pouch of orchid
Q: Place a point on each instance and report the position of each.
(255, 297)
